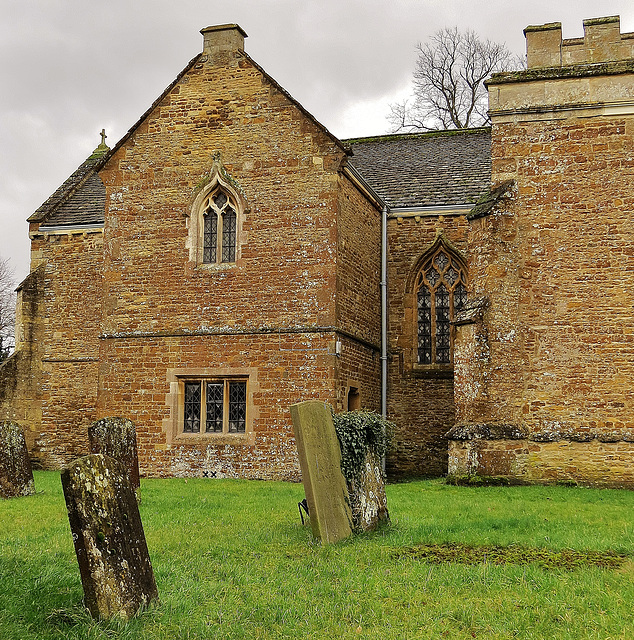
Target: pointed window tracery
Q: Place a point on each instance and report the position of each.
(441, 292)
(219, 229)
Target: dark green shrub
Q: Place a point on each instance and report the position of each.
(358, 433)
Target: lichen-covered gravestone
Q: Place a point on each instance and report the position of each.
(320, 462)
(364, 437)
(368, 501)
(116, 437)
(16, 475)
(113, 558)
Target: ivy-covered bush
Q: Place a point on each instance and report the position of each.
(358, 433)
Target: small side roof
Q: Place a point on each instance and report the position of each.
(80, 200)
(441, 168)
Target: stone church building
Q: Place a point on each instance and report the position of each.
(229, 257)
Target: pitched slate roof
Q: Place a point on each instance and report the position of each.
(80, 200)
(426, 169)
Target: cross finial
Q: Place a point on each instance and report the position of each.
(103, 136)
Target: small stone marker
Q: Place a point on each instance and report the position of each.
(16, 475)
(116, 437)
(113, 558)
(320, 462)
(367, 496)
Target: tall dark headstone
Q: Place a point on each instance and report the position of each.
(113, 558)
(116, 437)
(16, 475)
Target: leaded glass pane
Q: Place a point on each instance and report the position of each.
(424, 325)
(215, 394)
(192, 407)
(459, 297)
(220, 200)
(229, 235)
(451, 275)
(441, 261)
(210, 236)
(432, 276)
(443, 328)
(237, 407)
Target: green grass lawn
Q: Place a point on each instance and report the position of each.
(232, 561)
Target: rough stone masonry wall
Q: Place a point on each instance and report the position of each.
(564, 336)
(69, 343)
(577, 274)
(419, 403)
(271, 314)
(20, 375)
(285, 166)
(282, 370)
(358, 300)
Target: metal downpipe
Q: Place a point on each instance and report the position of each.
(384, 311)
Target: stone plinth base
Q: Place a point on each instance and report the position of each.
(591, 463)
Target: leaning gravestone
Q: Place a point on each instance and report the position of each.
(113, 558)
(320, 462)
(16, 475)
(116, 437)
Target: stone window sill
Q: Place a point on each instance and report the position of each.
(432, 371)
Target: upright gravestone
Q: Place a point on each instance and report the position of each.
(116, 437)
(320, 462)
(16, 475)
(113, 558)
(368, 501)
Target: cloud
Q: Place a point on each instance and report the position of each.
(70, 67)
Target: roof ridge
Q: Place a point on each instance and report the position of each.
(386, 137)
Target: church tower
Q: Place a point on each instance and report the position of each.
(544, 356)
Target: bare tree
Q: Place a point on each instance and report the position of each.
(7, 309)
(449, 91)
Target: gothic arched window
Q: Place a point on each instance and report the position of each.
(441, 292)
(219, 229)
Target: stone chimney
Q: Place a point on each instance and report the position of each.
(221, 42)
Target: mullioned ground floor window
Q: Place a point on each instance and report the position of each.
(214, 406)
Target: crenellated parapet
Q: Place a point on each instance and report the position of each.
(602, 42)
(589, 76)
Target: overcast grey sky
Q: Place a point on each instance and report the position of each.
(69, 68)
